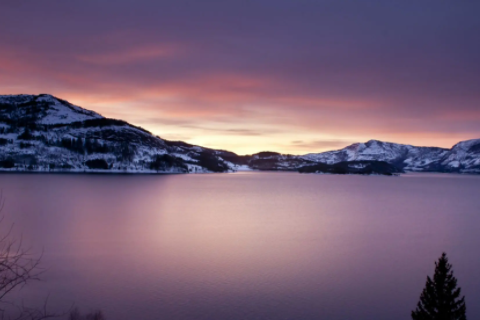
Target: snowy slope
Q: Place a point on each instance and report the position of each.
(44, 133)
(404, 156)
(46, 108)
(463, 157)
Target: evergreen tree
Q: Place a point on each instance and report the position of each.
(440, 299)
(78, 145)
(127, 151)
(89, 146)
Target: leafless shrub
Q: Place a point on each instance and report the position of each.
(18, 267)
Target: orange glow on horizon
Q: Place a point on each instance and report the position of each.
(233, 111)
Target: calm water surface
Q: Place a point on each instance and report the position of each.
(245, 245)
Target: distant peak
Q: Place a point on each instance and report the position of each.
(46, 97)
(466, 144)
(49, 109)
(265, 154)
(373, 141)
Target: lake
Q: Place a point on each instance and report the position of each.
(252, 245)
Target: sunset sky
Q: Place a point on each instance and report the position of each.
(290, 76)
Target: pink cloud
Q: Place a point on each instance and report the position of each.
(131, 55)
(230, 109)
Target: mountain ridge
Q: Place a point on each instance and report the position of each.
(42, 133)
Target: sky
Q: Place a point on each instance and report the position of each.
(294, 76)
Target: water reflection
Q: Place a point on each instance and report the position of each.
(245, 246)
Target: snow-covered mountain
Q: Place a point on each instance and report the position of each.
(464, 157)
(406, 157)
(44, 133)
